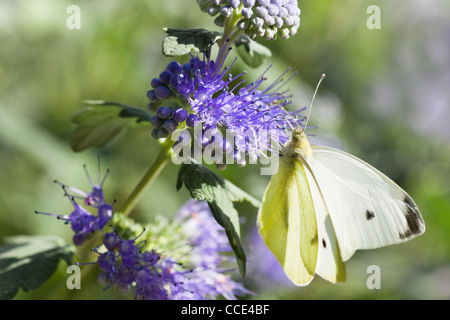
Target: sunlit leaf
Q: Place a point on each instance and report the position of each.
(179, 42)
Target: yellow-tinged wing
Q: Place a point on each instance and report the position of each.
(287, 221)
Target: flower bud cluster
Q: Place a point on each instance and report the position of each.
(175, 79)
(166, 121)
(258, 18)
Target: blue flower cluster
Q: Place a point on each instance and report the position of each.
(207, 244)
(184, 80)
(257, 18)
(155, 276)
(214, 103)
(181, 81)
(124, 264)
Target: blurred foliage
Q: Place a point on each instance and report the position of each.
(385, 99)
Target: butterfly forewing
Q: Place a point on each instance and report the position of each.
(367, 209)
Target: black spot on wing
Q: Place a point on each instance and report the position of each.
(324, 243)
(405, 235)
(370, 215)
(413, 219)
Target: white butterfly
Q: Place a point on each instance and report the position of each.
(323, 204)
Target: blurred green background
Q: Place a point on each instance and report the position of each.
(386, 99)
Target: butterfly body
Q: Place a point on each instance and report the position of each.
(324, 204)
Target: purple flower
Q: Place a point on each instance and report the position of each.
(248, 112)
(251, 114)
(205, 235)
(208, 241)
(124, 265)
(81, 220)
(197, 273)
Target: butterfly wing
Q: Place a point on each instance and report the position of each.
(287, 222)
(329, 260)
(367, 209)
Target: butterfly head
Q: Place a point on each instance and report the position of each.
(298, 134)
(299, 144)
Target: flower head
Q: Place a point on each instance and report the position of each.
(248, 112)
(220, 102)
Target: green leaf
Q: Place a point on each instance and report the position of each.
(179, 42)
(101, 121)
(204, 4)
(251, 51)
(28, 261)
(204, 184)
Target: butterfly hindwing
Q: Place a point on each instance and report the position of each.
(329, 262)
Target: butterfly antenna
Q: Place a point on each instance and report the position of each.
(285, 116)
(314, 96)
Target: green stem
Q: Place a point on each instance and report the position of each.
(230, 33)
(230, 25)
(160, 162)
